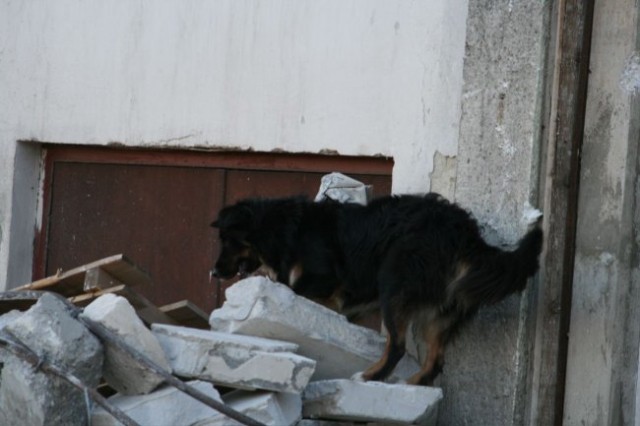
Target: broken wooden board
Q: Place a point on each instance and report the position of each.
(146, 310)
(187, 314)
(118, 270)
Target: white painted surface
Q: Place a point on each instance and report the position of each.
(353, 76)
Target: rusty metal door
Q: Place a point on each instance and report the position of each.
(156, 207)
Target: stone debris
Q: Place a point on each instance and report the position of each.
(242, 362)
(266, 346)
(349, 400)
(257, 306)
(166, 406)
(30, 397)
(121, 371)
(275, 409)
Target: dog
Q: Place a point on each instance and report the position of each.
(420, 257)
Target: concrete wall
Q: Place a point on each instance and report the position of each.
(605, 316)
(350, 77)
(498, 162)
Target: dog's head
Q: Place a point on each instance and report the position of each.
(237, 256)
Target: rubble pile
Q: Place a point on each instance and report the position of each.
(271, 355)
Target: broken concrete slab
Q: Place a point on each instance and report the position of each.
(4, 320)
(28, 396)
(121, 371)
(275, 409)
(166, 406)
(257, 306)
(237, 361)
(371, 402)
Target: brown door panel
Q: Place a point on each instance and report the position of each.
(158, 216)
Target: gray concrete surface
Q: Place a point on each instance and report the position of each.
(605, 315)
(497, 172)
(31, 397)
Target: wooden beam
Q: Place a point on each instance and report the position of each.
(71, 282)
(187, 314)
(568, 106)
(146, 310)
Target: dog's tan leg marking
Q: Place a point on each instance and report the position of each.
(375, 368)
(372, 370)
(433, 338)
(294, 274)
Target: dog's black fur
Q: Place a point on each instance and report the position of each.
(417, 256)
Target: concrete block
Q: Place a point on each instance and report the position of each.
(259, 307)
(237, 361)
(166, 406)
(276, 409)
(371, 402)
(121, 371)
(4, 320)
(30, 397)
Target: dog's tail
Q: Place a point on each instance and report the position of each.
(498, 273)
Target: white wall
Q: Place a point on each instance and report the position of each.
(347, 76)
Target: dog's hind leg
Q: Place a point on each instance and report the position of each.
(433, 362)
(436, 333)
(396, 324)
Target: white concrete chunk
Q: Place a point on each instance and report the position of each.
(237, 361)
(165, 407)
(274, 409)
(259, 307)
(371, 402)
(121, 371)
(31, 397)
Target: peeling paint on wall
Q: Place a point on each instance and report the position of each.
(443, 176)
(630, 78)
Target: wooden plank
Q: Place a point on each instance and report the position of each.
(146, 310)
(575, 18)
(71, 282)
(20, 300)
(98, 278)
(187, 314)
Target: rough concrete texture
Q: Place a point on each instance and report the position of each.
(485, 370)
(274, 409)
(371, 401)
(29, 397)
(259, 307)
(443, 176)
(166, 406)
(4, 320)
(236, 361)
(604, 335)
(121, 371)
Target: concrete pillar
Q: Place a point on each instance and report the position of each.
(497, 174)
(602, 362)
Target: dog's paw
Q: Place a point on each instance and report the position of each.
(358, 377)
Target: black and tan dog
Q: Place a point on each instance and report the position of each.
(417, 256)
